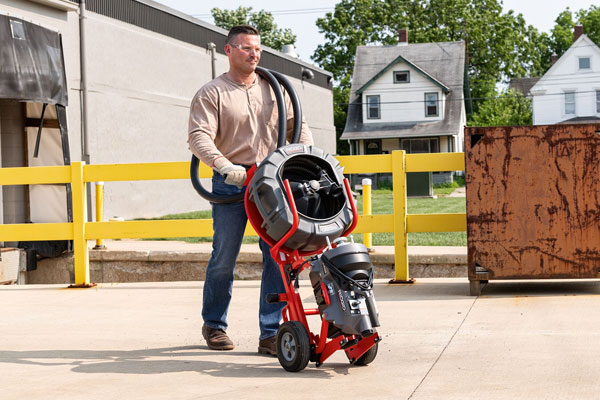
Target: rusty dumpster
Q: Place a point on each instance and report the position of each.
(533, 202)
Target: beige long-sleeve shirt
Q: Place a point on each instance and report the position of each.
(237, 121)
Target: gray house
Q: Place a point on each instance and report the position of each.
(408, 97)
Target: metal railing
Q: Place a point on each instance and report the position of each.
(80, 231)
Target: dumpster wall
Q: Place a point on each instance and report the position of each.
(533, 201)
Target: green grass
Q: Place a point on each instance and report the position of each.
(443, 191)
(382, 204)
(206, 214)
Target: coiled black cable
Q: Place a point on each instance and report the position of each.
(270, 77)
(333, 268)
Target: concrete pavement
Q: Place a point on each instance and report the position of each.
(519, 340)
(459, 192)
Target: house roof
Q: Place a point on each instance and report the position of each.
(523, 85)
(396, 61)
(581, 120)
(444, 62)
(583, 40)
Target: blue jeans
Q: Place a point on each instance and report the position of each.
(229, 223)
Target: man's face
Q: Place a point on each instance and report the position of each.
(244, 53)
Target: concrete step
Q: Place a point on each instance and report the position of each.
(167, 261)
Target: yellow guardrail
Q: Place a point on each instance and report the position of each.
(80, 231)
(367, 209)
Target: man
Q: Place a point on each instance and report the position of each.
(233, 124)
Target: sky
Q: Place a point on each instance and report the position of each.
(301, 17)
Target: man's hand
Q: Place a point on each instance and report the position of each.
(234, 174)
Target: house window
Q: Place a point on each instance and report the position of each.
(598, 101)
(413, 146)
(584, 63)
(17, 29)
(373, 111)
(373, 146)
(401, 76)
(431, 105)
(570, 102)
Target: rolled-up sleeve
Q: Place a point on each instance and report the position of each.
(203, 125)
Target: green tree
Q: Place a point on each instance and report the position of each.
(341, 94)
(500, 45)
(561, 35)
(270, 34)
(590, 19)
(562, 32)
(508, 108)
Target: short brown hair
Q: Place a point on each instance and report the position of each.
(241, 29)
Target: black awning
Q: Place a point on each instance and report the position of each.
(31, 63)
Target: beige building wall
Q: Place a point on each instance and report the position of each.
(140, 85)
(390, 145)
(317, 108)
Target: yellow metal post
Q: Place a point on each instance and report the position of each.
(99, 212)
(366, 191)
(400, 236)
(81, 257)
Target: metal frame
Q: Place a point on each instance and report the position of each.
(353, 346)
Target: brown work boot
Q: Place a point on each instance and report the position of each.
(216, 339)
(268, 346)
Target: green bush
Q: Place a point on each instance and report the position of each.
(445, 185)
(459, 181)
(385, 184)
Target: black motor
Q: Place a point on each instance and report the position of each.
(342, 280)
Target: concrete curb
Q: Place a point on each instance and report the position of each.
(115, 264)
(376, 258)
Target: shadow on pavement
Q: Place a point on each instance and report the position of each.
(542, 287)
(459, 289)
(175, 359)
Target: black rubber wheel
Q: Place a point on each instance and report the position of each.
(368, 357)
(293, 346)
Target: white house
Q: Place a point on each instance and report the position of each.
(569, 92)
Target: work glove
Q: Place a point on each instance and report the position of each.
(234, 174)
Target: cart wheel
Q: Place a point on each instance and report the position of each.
(368, 357)
(293, 346)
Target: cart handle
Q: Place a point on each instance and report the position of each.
(354, 211)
